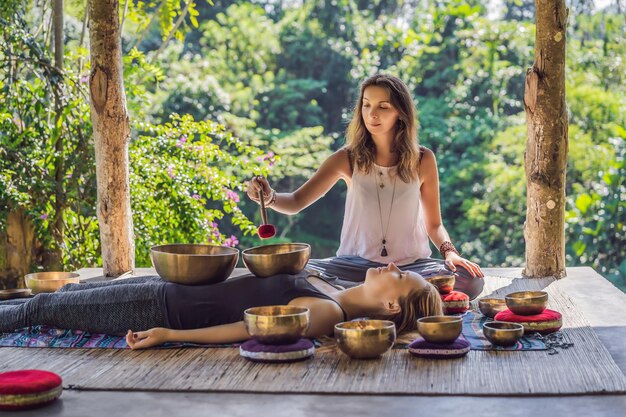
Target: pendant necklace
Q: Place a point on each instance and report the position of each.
(384, 231)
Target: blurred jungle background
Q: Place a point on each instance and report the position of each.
(220, 91)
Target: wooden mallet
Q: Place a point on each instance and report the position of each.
(265, 231)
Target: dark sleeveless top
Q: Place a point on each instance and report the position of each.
(194, 307)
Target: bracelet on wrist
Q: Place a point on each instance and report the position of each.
(446, 247)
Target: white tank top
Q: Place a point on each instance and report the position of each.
(361, 234)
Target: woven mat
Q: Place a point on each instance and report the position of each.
(585, 368)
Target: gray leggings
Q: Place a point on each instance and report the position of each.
(111, 307)
(352, 269)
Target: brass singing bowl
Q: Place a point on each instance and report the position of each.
(444, 283)
(191, 264)
(277, 325)
(40, 282)
(502, 333)
(440, 329)
(281, 258)
(491, 306)
(527, 303)
(365, 339)
(15, 293)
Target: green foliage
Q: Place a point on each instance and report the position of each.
(46, 163)
(292, 104)
(283, 78)
(596, 218)
(185, 177)
(241, 46)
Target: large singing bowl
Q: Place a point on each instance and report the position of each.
(191, 264)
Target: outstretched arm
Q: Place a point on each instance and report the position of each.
(334, 167)
(432, 213)
(323, 316)
(225, 333)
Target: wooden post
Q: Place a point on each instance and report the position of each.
(18, 246)
(111, 128)
(545, 158)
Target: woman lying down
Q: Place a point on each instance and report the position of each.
(159, 311)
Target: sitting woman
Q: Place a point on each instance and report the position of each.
(214, 313)
(392, 204)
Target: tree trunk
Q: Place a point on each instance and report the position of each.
(545, 158)
(111, 128)
(53, 257)
(17, 250)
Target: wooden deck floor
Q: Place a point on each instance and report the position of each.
(591, 294)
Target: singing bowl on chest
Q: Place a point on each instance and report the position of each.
(281, 258)
(194, 264)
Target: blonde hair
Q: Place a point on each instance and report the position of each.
(419, 303)
(405, 143)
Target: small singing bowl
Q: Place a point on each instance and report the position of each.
(277, 325)
(191, 264)
(40, 282)
(501, 333)
(491, 306)
(365, 339)
(444, 283)
(440, 329)
(527, 303)
(281, 258)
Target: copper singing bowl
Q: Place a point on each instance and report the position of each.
(191, 264)
(444, 283)
(282, 258)
(491, 306)
(365, 339)
(277, 325)
(502, 333)
(440, 329)
(527, 303)
(40, 282)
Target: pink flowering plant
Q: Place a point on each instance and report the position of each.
(187, 184)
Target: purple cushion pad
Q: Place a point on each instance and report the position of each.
(259, 352)
(423, 349)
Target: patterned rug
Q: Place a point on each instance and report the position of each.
(50, 337)
(473, 331)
